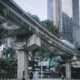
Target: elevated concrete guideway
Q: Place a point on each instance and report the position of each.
(12, 12)
(11, 15)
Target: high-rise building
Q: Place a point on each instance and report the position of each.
(76, 22)
(67, 23)
(49, 9)
(75, 4)
(67, 28)
(62, 20)
(55, 13)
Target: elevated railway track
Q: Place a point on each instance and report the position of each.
(13, 14)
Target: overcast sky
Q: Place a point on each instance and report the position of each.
(67, 7)
(39, 7)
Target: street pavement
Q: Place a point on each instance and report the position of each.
(56, 79)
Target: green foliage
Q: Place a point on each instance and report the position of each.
(7, 67)
(49, 25)
(35, 17)
(8, 53)
(8, 61)
(3, 63)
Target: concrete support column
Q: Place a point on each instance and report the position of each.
(32, 43)
(22, 64)
(68, 71)
(67, 60)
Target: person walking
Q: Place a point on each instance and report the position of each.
(30, 75)
(23, 77)
(62, 77)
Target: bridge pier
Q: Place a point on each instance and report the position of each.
(23, 47)
(22, 64)
(68, 71)
(67, 60)
(32, 43)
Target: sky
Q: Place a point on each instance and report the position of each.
(39, 7)
(35, 7)
(67, 7)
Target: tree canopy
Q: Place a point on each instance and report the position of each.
(8, 62)
(49, 25)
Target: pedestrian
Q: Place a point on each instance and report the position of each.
(51, 72)
(62, 77)
(30, 75)
(23, 77)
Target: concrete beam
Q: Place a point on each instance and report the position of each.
(9, 41)
(19, 45)
(66, 58)
(33, 42)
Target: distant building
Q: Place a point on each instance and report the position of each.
(49, 9)
(76, 22)
(55, 12)
(62, 20)
(67, 28)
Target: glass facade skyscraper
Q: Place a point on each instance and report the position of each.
(66, 16)
(67, 23)
(67, 29)
(55, 13)
(58, 11)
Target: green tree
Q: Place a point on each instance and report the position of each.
(8, 62)
(35, 17)
(49, 25)
(8, 53)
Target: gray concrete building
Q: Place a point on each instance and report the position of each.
(55, 12)
(76, 22)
